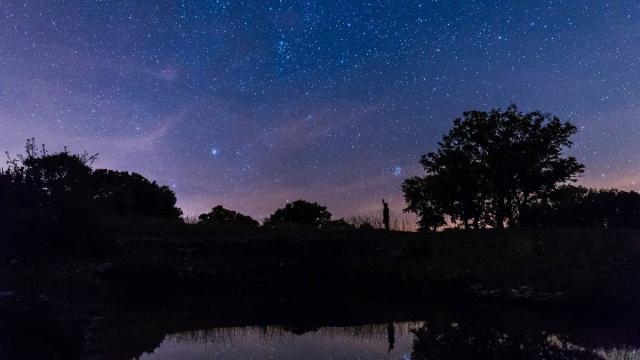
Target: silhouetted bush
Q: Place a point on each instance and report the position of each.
(221, 216)
(366, 227)
(572, 206)
(339, 225)
(300, 213)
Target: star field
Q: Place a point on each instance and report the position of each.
(250, 104)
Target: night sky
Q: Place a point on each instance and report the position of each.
(250, 104)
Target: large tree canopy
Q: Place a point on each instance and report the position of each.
(490, 166)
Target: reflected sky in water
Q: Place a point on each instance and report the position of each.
(354, 342)
(373, 341)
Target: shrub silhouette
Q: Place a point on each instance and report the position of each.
(575, 206)
(365, 226)
(338, 226)
(300, 213)
(221, 216)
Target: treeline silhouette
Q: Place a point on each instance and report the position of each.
(298, 214)
(493, 169)
(57, 201)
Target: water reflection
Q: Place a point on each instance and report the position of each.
(371, 341)
(403, 340)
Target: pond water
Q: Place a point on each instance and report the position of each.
(398, 340)
(373, 341)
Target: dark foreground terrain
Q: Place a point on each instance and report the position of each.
(527, 285)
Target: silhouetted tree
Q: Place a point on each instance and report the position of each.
(131, 195)
(221, 216)
(44, 193)
(301, 213)
(58, 199)
(490, 166)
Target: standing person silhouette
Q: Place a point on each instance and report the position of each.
(385, 215)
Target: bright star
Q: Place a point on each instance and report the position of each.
(214, 151)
